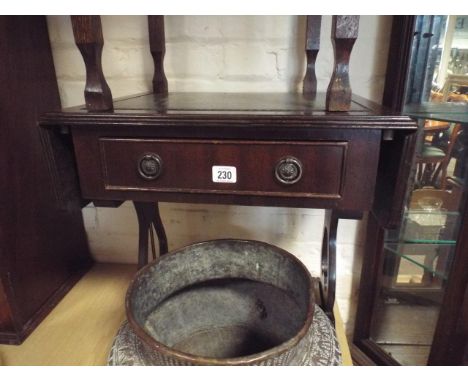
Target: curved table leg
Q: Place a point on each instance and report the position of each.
(148, 217)
(328, 264)
(160, 232)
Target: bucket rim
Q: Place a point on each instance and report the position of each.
(251, 359)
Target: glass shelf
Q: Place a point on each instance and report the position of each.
(432, 258)
(423, 227)
(424, 244)
(448, 112)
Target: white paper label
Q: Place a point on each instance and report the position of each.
(224, 174)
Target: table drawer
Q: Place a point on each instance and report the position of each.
(262, 168)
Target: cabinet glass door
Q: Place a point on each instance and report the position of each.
(418, 254)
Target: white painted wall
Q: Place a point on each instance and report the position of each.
(227, 54)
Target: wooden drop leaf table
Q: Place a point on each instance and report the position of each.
(334, 151)
(249, 149)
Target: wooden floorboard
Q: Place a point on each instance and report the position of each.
(80, 330)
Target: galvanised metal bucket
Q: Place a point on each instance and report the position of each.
(223, 302)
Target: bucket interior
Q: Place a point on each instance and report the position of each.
(228, 302)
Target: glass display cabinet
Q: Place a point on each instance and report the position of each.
(413, 302)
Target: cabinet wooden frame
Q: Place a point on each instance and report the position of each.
(449, 346)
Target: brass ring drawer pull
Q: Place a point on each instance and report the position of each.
(288, 170)
(150, 166)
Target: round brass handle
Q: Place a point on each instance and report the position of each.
(288, 170)
(150, 166)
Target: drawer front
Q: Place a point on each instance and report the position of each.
(295, 169)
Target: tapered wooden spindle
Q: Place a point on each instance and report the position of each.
(158, 50)
(88, 37)
(344, 34)
(312, 46)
